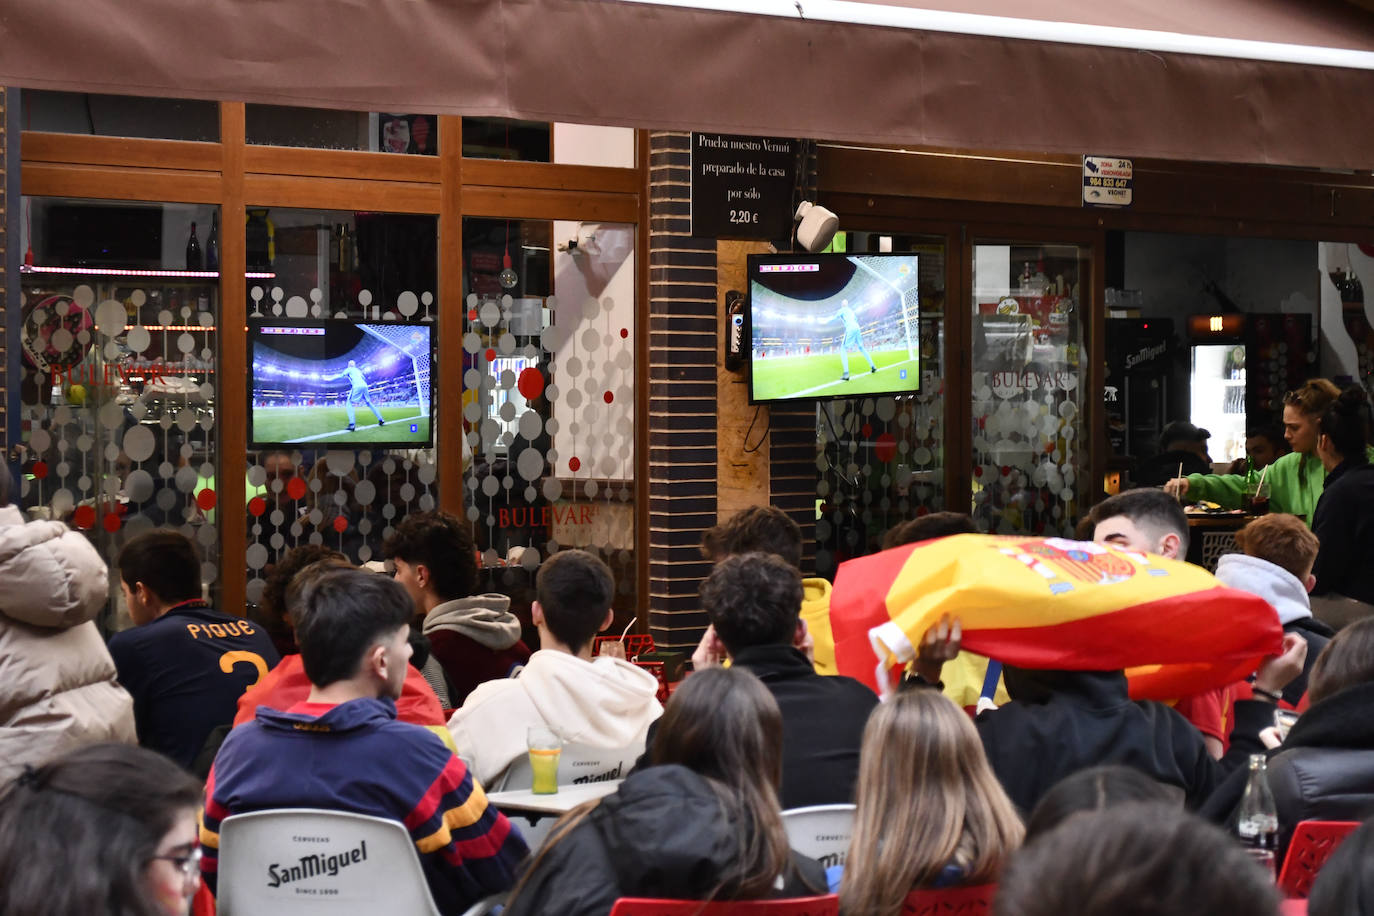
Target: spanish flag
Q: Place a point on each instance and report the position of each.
(1050, 603)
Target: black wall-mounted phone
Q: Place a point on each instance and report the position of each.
(734, 330)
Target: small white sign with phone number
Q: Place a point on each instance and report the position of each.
(1107, 181)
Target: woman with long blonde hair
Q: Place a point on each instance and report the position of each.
(930, 813)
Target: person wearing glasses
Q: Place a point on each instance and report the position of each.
(105, 828)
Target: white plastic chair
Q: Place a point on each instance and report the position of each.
(306, 861)
(578, 763)
(820, 831)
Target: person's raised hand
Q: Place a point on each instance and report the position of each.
(709, 652)
(803, 642)
(939, 644)
(1278, 671)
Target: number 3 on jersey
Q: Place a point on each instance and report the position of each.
(228, 660)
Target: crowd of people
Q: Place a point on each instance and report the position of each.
(408, 697)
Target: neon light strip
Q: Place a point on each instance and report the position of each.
(1077, 33)
(126, 272)
(170, 327)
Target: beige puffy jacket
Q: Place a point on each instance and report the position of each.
(57, 681)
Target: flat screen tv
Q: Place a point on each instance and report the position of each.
(833, 326)
(338, 383)
(95, 235)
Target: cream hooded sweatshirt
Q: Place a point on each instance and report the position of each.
(602, 703)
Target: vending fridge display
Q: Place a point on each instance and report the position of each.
(1140, 353)
(1216, 387)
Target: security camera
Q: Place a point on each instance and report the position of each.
(817, 226)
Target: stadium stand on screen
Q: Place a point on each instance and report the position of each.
(338, 382)
(833, 325)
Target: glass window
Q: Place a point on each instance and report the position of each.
(119, 115)
(1030, 452)
(119, 374)
(1213, 330)
(503, 138)
(321, 128)
(337, 460)
(548, 394)
(881, 460)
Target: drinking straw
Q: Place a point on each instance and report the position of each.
(1260, 486)
(1179, 476)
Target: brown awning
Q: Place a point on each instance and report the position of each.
(640, 64)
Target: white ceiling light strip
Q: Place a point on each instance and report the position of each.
(1034, 30)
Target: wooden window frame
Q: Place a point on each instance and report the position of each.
(234, 174)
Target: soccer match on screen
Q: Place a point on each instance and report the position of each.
(341, 383)
(834, 326)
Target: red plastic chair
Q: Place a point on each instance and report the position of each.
(950, 901)
(635, 644)
(1312, 844)
(797, 906)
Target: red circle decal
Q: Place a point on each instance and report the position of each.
(886, 447)
(257, 506)
(295, 488)
(530, 383)
(84, 517)
(40, 469)
(574, 464)
(340, 524)
(110, 522)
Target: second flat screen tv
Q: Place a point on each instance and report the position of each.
(833, 326)
(340, 384)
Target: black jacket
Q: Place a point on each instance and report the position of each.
(1156, 470)
(1316, 634)
(1344, 522)
(664, 833)
(823, 720)
(1324, 770)
(1060, 722)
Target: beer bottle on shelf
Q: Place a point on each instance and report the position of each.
(193, 254)
(212, 244)
(1258, 825)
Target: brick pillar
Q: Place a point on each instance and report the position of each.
(682, 392)
(792, 472)
(9, 298)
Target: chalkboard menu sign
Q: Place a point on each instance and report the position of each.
(742, 186)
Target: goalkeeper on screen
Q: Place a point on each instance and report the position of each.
(358, 393)
(853, 339)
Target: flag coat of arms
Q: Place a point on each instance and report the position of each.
(1051, 603)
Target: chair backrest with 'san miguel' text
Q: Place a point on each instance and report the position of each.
(309, 861)
(1312, 844)
(820, 831)
(828, 905)
(972, 900)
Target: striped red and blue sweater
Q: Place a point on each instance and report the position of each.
(357, 757)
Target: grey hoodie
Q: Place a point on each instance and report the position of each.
(1270, 581)
(485, 619)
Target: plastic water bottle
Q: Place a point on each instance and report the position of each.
(1258, 826)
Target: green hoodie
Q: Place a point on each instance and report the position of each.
(1295, 484)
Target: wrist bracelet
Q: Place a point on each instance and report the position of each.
(1268, 694)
